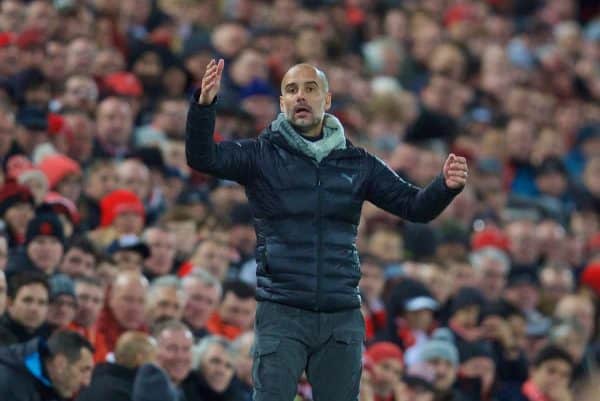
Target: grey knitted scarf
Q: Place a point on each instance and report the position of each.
(333, 137)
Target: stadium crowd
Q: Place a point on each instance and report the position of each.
(125, 275)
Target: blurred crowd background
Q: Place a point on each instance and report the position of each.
(107, 232)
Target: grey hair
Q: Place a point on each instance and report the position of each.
(199, 350)
(477, 258)
(205, 278)
(169, 281)
(238, 344)
(323, 79)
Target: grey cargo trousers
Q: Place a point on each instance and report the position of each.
(328, 346)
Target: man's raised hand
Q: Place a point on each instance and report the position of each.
(455, 171)
(211, 82)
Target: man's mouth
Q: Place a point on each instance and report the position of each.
(302, 110)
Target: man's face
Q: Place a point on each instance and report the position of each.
(492, 278)
(127, 304)
(162, 251)
(445, 373)
(78, 263)
(70, 377)
(303, 98)
(61, 311)
(175, 353)
(217, 368)
(129, 223)
(202, 300)
(419, 319)
(90, 300)
(166, 303)
(114, 122)
(551, 375)
(372, 281)
(30, 306)
(212, 256)
(238, 312)
(45, 252)
(103, 181)
(136, 177)
(128, 260)
(387, 373)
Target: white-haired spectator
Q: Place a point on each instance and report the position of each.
(165, 301)
(203, 292)
(492, 266)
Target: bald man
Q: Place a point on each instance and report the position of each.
(125, 308)
(306, 184)
(114, 381)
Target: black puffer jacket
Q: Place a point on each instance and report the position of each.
(21, 373)
(306, 214)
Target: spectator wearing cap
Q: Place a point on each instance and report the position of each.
(114, 127)
(410, 310)
(505, 343)
(552, 182)
(492, 266)
(465, 310)
(371, 286)
(128, 252)
(125, 307)
(384, 361)
(418, 381)
(477, 371)
(213, 371)
(101, 179)
(235, 314)
(63, 301)
(122, 213)
(65, 209)
(115, 380)
(90, 301)
(64, 175)
(203, 293)
(27, 308)
(440, 355)
(43, 248)
(174, 353)
(16, 209)
(9, 65)
(162, 244)
(32, 128)
(165, 300)
(549, 378)
(20, 169)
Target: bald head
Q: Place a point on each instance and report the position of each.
(306, 68)
(135, 348)
(128, 298)
(305, 98)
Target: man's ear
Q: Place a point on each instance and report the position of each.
(327, 101)
(58, 363)
(281, 108)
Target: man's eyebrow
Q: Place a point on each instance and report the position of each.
(305, 83)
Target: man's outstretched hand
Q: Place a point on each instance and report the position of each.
(455, 171)
(211, 82)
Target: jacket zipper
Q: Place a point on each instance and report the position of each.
(319, 239)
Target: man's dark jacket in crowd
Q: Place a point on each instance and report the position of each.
(306, 214)
(110, 381)
(13, 332)
(195, 388)
(22, 375)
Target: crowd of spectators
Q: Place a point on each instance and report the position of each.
(124, 275)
